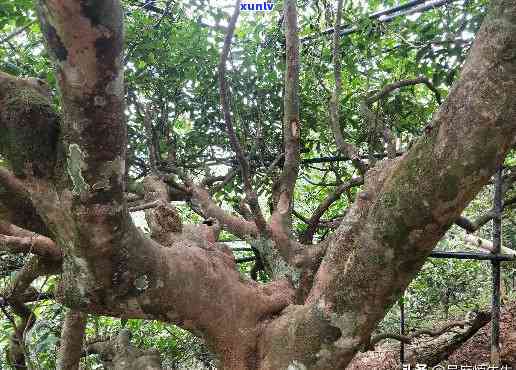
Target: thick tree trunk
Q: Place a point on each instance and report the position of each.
(72, 336)
(406, 207)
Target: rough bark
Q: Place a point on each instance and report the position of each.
(72, 336)
(109, 267)
(15, 239)
(282, 216)
(28, 123)
(28, 131)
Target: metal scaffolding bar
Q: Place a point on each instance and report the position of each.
(443, 254)
(245, 259)
(402, 329)
(472, 256)
(496, 258)
(495, 264)
(340, 158)
(385, 16)
(398, 8)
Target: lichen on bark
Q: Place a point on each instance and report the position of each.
(75, 166)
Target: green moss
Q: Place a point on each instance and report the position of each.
(376, 259)
(395, 233)
(28, 130)
(451, 188)
(75, 165)
(389, 200)
(72, 297)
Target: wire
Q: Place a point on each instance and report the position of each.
(385, 16)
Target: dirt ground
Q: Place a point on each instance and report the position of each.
(476, 351)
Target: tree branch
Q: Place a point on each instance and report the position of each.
(144, 206)
(15, 295)
(251, 197)
(86, 42)
(16, 32)
(149, 133)
(72, 336)
(37, 244)
(28, 117)
(389, 88)
(313, 222)
(345, 147)
(114, 269)
(487, 245)
(233, 224)
(372, 120)
(472, 226)
(19, 240)
(281, 220)
(425, 346)
(378, 338)
(224, 180)
(12, 183)
(16, 205)
(118, 352)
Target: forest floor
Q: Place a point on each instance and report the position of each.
(477, 349)
(475, 352)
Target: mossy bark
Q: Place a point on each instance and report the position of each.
(406, 207)
(29, 128)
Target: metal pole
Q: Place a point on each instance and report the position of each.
(495, 306)
(472, 256)
(387, 15)
(402, 329)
